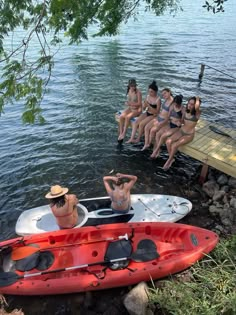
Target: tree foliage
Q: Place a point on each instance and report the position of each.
(25, 75)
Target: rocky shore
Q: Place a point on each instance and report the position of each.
(214, 208)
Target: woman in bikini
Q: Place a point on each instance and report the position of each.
(162, 119)
(63, 206)
(119, 191)
(134, 103)
(175, 122)
(185, 134)
(152, 106)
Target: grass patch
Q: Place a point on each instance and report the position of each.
(208, 289)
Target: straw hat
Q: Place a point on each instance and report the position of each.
(56, 191)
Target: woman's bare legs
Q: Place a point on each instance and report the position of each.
(142, 125)
(135, 126)
(173, 148)
(147, 129)
(121, 122)
(127, 121)
(161, 139)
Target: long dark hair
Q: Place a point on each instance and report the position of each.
(153, 86)
(178, 99)
(58, 202)
(131, 82)
(193, 111)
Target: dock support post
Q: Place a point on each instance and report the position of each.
(203, 174)
(201, 72)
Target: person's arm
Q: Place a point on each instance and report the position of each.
(197, 106)
(72, 202)
(132, 179)
(145, 104)
(106, 180)
(158, 106)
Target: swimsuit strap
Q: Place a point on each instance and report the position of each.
(118, 202)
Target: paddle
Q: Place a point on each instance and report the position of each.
(24, 251)
(146, 251)
(220, 132)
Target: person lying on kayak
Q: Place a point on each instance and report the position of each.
(63, 206)
(119, 191)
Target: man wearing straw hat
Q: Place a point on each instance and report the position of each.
(63, 206)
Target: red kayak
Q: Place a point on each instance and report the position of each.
(101, 257)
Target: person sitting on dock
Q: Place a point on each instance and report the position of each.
(185, 134)
(119, 191)
(134, 103)
(175, 121)
(162, 119)
(151, 105)
(63, 206)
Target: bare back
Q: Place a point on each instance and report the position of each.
(67, 215)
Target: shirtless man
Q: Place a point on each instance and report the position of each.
(63, 206)
(119, 191)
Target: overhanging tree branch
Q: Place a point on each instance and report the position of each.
(23, 75)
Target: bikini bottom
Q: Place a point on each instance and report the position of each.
(120, 211)
(185, 133)
(172, 125)
(160, 119)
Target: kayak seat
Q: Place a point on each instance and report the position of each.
(39, 260)
(146, 250)
(116, 250)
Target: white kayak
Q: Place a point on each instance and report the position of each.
(96, 211)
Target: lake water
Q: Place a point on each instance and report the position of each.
(77, 145)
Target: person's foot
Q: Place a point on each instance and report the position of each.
(168, 164)
(145, 147)
(136, 140)
(154, 155)
(130, 141)
(121, 137)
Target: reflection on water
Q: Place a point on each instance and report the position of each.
(77, 145)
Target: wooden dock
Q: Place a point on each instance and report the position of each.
(211, 148)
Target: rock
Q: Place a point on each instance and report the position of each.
(136, 301)
(215, 209)
(225, 188)
(232, 182)
(226, 221)
(233, 202)
(210, 188)
(211, 175)
(222, 180)
(226, 200)
(218, 195)
(219, 228)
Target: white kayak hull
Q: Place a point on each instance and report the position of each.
(96, 211)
